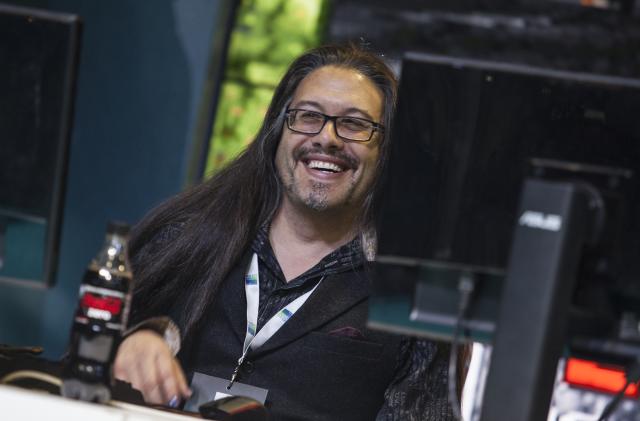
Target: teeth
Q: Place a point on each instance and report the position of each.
(322, 165)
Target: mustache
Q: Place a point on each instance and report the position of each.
(303, 152)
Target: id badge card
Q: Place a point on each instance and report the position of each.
(207, 388)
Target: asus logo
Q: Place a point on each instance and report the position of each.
(539, 220)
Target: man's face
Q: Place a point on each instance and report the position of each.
(322, 171)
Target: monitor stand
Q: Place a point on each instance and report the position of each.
(554, 223)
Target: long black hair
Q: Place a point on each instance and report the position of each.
(216, 220)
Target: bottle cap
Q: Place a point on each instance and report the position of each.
(118, 227)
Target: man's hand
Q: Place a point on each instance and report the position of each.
(145, 361)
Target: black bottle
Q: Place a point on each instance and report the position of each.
(100, 318)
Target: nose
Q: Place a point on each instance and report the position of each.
(328, 137)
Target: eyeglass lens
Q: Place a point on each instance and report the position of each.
(311, 122)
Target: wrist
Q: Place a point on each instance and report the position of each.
(163, 326)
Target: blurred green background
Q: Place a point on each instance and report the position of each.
(267, 36)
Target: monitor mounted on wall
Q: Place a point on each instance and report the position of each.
(39, 53)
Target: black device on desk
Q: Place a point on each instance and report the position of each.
(526, 181)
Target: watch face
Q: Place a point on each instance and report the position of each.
(172, 337)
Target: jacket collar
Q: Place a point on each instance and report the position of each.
(335, 295)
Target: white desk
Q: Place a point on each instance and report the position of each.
(25, 405)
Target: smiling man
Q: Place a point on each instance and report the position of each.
(339, 163)
(261, 270)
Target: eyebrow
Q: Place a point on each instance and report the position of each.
(349, 110)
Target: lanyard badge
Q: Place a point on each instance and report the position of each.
(254, 339)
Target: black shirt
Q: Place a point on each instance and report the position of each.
(276, 292)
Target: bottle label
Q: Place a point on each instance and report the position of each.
(101, 304)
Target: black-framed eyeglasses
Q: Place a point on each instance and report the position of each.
(350, 129)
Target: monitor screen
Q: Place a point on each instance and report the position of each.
(464, 138)
(39, 54)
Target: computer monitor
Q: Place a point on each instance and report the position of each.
(471, 140)
(39, 55)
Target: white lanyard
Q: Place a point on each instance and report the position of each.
(253, 340)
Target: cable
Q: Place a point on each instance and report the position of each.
(31, 374)
(613, 403)
(633, 376)
(466, 286)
